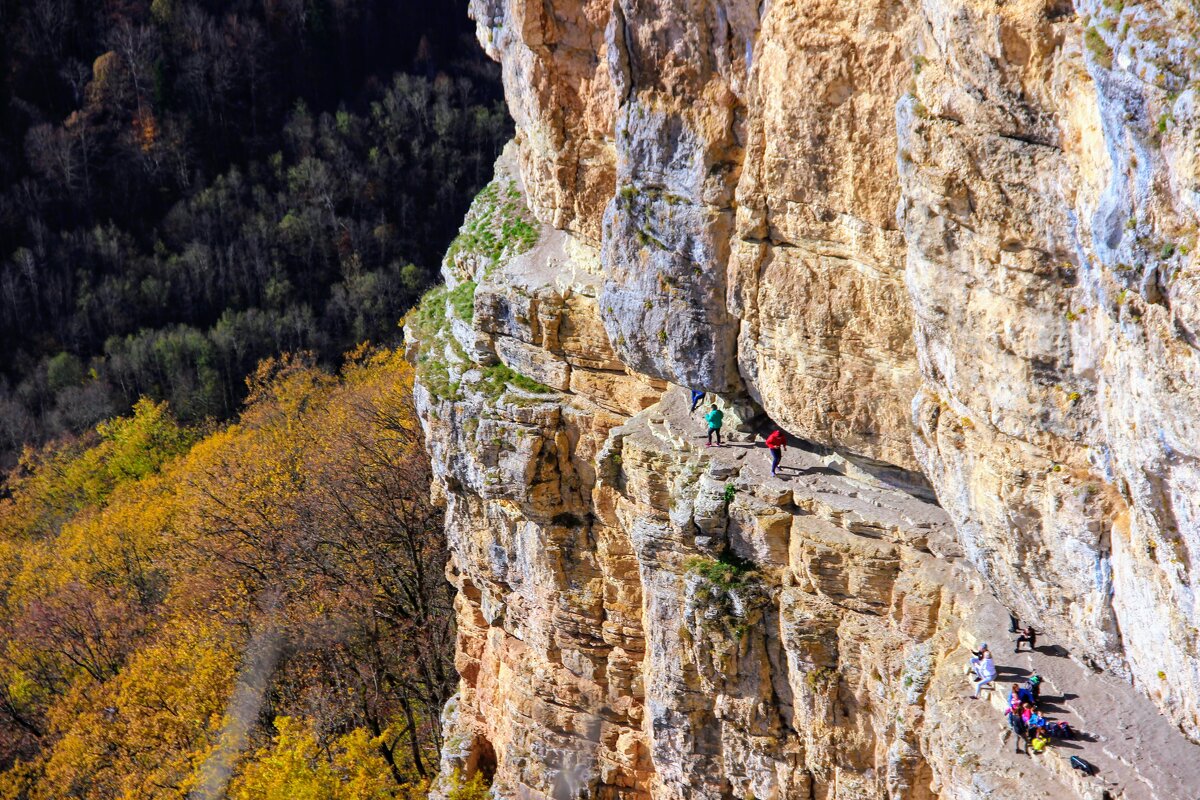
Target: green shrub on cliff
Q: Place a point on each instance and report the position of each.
(462, 300)
(498, 227)
(726, 591)
(1099, 48)
(427, 320)
(496, 379)
(729, 572)
(428, 325)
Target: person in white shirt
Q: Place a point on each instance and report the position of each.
(976, 657)
(985, 670)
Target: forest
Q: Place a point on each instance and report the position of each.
(221, 573)
(189, 186)
(262, 606)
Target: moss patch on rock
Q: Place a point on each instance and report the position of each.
(498, 226)
(727, 592)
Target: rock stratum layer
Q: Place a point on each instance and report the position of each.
(947, 245)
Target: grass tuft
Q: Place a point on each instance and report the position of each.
(462, 300)
(496, 379)
(498, 227)
(1099, 48)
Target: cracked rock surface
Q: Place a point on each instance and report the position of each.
(950, 247)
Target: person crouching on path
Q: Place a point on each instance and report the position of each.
(976, 657)
(986, 671)
(776, 443)
(1028, 635)
(714, 419)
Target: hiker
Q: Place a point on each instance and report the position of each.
(986, 670)
(976, 657)
(776, 443)
(1017, 725)
(1035, 686)
(1039, 741)
(1060, 730)
(1027, 635)
(714, 419)
(1016, 722)
(697, 399)
(1033, 718)
(1013, 623)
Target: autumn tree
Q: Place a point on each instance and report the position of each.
(138, 570)
(329, 501)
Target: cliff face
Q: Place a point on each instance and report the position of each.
(949, 244)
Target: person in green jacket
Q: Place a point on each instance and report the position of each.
(714, 419)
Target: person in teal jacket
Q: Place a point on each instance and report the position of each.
(714, 419)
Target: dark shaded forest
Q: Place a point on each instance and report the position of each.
(187, 187)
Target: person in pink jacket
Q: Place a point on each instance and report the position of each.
(776, 443)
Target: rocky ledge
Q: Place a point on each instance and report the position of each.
(644, 616)
(949, 247)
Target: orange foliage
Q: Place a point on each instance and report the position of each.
(133, 570)
(145, 129)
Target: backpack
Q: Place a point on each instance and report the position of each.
(1081, 765)
(1060, 730)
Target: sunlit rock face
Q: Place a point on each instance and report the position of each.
(1049, 264)
(949, 244)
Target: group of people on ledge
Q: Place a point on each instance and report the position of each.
(1025, 719)
(776, 442)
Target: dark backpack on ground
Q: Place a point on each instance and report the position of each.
(1060, 730)
(1081, 765)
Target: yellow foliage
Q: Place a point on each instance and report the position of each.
(145, 128)
(52, 485)
(150, 727)
(473, 788)
(19, 781)
(364, 773)
(134, 565)
(295, 766)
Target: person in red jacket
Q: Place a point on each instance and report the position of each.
(776, 443)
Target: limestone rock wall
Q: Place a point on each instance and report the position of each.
(1049, 264)
(950, 244)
